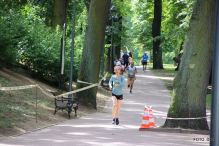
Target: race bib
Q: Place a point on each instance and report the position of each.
(131, 73)
(116, 83)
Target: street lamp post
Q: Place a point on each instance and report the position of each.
(114, 18)
(72, 52)
(103, 58)
(214, 133)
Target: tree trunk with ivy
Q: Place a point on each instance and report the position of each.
(190, 84)
(156, 27)
(92, 51)
(87, 4)
(59, 16)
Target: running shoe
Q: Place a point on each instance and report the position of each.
(113, 122)
(128, 86)
(117, 121)
(131, 92)
(145, 71)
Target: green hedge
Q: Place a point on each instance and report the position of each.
(25, 38)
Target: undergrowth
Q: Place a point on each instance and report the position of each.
(19, 105)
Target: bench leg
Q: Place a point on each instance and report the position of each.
(75, 111)
(69, 112)
(55, 111)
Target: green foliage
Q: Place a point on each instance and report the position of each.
(138, 19)
(168, 57)
(26, 38)
(171, 92)
(176, 20)
(208, 100)
(12, 31)
(45, 9)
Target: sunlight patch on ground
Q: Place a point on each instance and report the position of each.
(156, 77)
(102, 126)
(76, 133)
(103, 138)
(58, 141)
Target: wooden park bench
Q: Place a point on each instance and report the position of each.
(66, 103)
(105, 83)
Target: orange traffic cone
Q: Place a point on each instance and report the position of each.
(145, 121)
(151, 117)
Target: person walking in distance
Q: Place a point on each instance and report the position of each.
(130, 60)
(130, 53)
(126, 59)
(116, 83)
(121, 54)
(144, 61)
(122, 67)
(132, 70)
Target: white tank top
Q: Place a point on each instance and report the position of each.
(132, 69)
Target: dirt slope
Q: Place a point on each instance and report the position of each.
(48, 118)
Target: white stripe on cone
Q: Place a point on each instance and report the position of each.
(145, 122)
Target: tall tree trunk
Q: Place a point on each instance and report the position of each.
(93, 46)
(156, 27)
(190, 84)
(87, 4)
(59, 16)
(119, 37)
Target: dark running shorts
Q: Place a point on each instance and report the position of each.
(144, 63)
(126, 64)
(119, 97)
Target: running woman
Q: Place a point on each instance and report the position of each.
(132, 70)
(144, 61)
(117, 81)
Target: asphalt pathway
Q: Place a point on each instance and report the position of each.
(96, 129)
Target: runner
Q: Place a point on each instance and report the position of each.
(117, 81)
(122, 67)
(144, 61)
(132, 70)
(121, 54)
(130, 54)
(125, 59)
(130, 60)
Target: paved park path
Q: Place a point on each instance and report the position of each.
(96, 129)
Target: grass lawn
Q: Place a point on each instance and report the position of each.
(169, 71)
(208, 100)
(171, 92)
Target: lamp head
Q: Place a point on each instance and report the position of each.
(115, 18)
(113, 9)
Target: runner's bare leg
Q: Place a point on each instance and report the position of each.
(114, 107)
(132, 82)
(118, 107)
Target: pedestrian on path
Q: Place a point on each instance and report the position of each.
(144, 61)
(116, 83)
(122, 67)
(132, 70)
(125, 59)
(130, 53)
(121, 54)
(130, 60)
